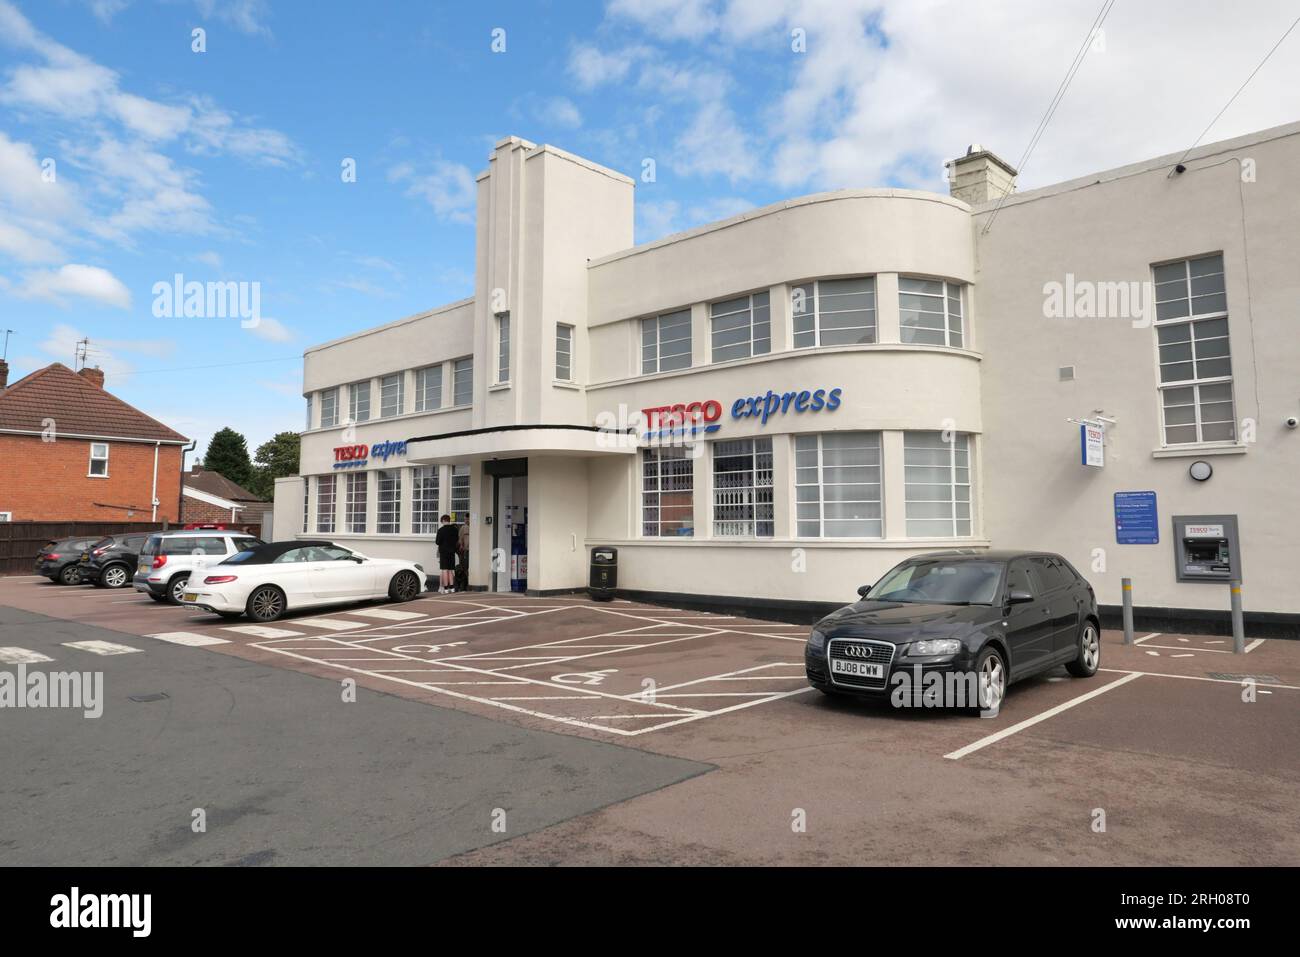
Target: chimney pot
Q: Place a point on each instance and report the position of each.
(981, 176)
(93, 375)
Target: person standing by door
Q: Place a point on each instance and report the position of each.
(446, 540)
(462, 558)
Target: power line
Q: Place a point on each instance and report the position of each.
(1077, 62)
(1239, 89)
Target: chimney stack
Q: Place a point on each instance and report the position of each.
(980, 176)
(94, 376)
(4, 374)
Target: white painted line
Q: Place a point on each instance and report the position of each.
(132, 601)
(1187, 655)
(21, 656)
(330, 624)
(1222, 681)
(101, 647)
(1154, 634)
(189, 638)
(261, 631)
(1253, 645)
(386, 614)
(558, 697)
(1213, 651)
(1220, 641)
(984, 742)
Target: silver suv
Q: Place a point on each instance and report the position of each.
(168, 558)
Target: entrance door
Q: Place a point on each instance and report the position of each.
(509, 523)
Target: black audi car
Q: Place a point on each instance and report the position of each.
(60, 561)
(979, 620)
(111, 561)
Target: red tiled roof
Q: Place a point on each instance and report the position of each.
(214, 483)
(77, 406)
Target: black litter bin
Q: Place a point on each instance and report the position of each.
(604, 573)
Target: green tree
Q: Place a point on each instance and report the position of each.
(228, 454)
(274, 459)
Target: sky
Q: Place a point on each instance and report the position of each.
(129, 157)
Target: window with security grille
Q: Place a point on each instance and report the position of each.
(834, 312)
(937, 484)
(837, 485)
(741, 327)
(742, 489)
(666, 342)
(930, 312)
(326, 489)
(667, 492)
(354, 502)
(1194, 351)
(424, 500)
(388, 501)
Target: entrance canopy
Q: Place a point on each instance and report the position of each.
(513, 441)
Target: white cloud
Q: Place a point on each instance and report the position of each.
(657, 219)
(272, 330)
(560, 111)
(671, 19)
(447, 187)
(247, 16)
(75, 280)
(593, 67)
(208, 258)
(61, 346)
(22, 245)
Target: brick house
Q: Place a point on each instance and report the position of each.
(209, 496)
(69, 451)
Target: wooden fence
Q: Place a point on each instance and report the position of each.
(20, 541)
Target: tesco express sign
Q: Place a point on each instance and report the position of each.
(703, 417)
(356, 456)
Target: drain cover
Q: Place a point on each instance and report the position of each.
(144, 698)
(1258, 679)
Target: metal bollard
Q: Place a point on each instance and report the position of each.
(1127, 585)
(1238, 626)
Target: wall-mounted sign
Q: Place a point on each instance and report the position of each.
(697, 418)
(357, 456)
(1136, 521)
(1092, 444)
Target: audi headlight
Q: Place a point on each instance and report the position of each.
(936, 646)
(816, 641)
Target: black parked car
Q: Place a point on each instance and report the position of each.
(59, 561)
(111, 561)
(990, 618)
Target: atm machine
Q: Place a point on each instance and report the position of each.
(1206, 548)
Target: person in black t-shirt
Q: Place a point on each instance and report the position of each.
(446, 539)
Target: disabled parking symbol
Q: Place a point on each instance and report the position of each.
(584, 677)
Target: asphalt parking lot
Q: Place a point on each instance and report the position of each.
(1155, 760)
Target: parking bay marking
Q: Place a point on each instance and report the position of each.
(189, 638)
(21, 656)
(101, 647)
(261, 631)
(984, 742)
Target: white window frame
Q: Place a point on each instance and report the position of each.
(503, 348)
(460, 482)
(958, 449)
(423, 394)
(1196, 383)
(462, 368)
(356, 500)
(813, 302)
(946, 300)
(653, 461)
(817, 473)
(330, 421)
(90, 467)
(384, 395)
(426, 485)
(326, 505)
(750, 495)
(652, 343)
(306, 504)
(388, 501)
(564, 351)
(357, 410)
(755, 345)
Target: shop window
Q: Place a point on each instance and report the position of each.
(424, 499)
(460, 503)
(834, 312)
(742, 489)
(666, 342)
(354, 502)
(667, 492)
(462, 381)
(930, 312)
(98, 460)
(938, 485)
(1194, 351)
(837, 485)
(359, 401)
(391, 395)
(503, 348)
(329, 408)
(428, 388)
(326, 489)
(741, 327)
(388, 502)
(563, 352)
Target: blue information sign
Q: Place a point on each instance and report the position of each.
(1136, 521)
